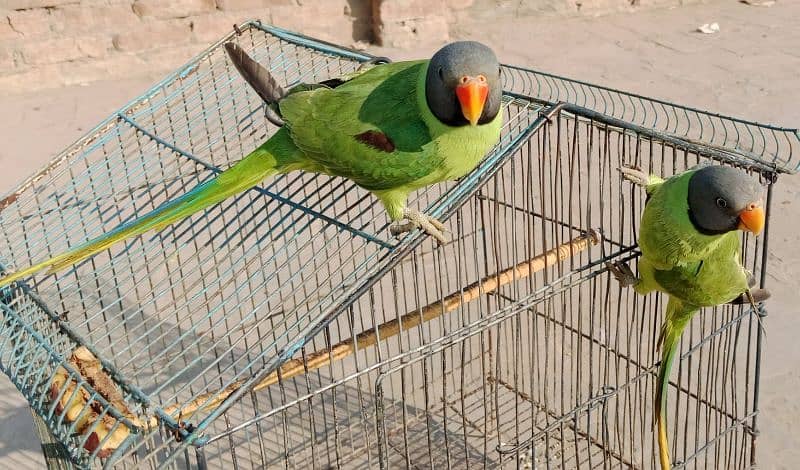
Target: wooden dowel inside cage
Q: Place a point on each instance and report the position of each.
(316, 360)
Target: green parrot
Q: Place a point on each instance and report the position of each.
(391, 128)
(690, 251)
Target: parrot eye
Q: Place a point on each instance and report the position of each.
(441, 73)
(722, 203)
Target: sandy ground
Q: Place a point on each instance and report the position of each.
(749, 69)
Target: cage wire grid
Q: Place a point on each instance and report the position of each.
(554, 369)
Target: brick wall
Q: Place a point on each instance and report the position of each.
(49, 43)
(45, 43)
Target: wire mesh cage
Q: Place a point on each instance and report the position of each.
(285, 327)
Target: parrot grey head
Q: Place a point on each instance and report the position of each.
(723, 199)
(463, 84)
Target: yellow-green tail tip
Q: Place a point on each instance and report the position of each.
(13, 277)
(663, 444)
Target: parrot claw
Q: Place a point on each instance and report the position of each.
(758, 295)
(417, 219)
(635, 175)
(622, 273)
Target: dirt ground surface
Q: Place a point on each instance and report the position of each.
(749, 69)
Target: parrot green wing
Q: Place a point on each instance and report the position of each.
(674, 241)
(714, 280)
(369, 129)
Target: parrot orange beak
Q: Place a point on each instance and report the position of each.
(472, 93)
(752, 219)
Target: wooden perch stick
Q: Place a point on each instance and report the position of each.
(298, 366)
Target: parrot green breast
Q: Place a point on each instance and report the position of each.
(699, 269)
(377, 130)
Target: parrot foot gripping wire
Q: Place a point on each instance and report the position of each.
(622, 273)
(755, 308)
(417, 219)
(635, 175)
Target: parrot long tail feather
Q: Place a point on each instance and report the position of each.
(676, 318)
(255, 74)
(244, 175)
(663, 445)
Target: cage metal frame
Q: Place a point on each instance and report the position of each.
(30, 352)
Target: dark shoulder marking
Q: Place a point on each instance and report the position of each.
(377, 140)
